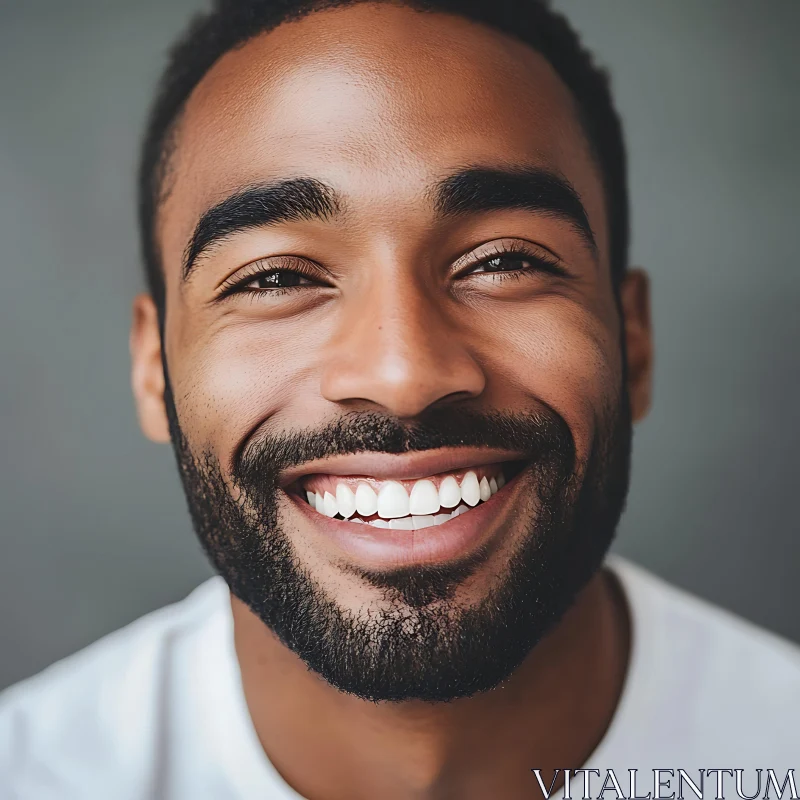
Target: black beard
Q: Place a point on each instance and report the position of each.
(416, 645)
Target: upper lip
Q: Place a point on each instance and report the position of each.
(404, 466)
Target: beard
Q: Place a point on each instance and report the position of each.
(419, 642)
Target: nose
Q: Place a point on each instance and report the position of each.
(396, 348)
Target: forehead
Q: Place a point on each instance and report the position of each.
(378, 101)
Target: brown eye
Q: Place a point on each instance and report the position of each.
(517, 263)
(508, 262)
(277, 279)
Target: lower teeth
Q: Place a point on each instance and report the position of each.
(412, 523)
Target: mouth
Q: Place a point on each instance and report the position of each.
(388, 518)
(404, 505)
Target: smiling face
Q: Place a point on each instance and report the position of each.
(396, 386)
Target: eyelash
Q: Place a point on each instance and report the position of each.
(539, 263)
(258, 269)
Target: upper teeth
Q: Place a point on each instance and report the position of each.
(392, 502)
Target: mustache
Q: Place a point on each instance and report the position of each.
(542, 436)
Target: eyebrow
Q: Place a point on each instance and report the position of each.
(472, 190)
(268, 204)
(477, 190)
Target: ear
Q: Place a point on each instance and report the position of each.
(635, 304)
(147, 372)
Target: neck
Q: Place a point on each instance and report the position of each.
(550, 714)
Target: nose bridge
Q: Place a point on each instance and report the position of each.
(400, 320)
(396, 348)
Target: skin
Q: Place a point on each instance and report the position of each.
(380, 102)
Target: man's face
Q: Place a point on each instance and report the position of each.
(389, 300)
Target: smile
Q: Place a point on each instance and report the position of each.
(403, 505)
(385, 511)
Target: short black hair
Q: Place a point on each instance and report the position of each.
(230, 23)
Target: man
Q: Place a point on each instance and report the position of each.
(393, 339)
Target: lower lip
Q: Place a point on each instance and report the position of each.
(383, 547)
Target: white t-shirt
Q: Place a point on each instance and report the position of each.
(155, 711)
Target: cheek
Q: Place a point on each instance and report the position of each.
(237, 376)
(561, 355)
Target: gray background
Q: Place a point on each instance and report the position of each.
(93, 529)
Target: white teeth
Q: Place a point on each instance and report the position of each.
(407, 513)
(392, 500)
(346, 500)
(449, 493)
(329, 507)
(457, 512)
(424, 498)
(470, 489)
(366, 500)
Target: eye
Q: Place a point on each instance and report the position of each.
(514, 260)
(276, 279)
(271, 278)
(509, 262)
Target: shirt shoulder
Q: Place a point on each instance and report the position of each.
(98, 709)
(703, 681)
